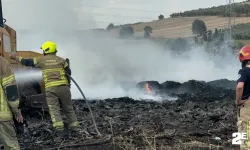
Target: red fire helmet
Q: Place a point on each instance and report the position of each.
(244, 53)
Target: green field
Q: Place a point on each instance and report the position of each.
(245, 42)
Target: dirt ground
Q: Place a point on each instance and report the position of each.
(203, 113)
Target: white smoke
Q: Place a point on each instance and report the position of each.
(46, 15)
(107, 67)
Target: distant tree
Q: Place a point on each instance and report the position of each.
(126, 31)
(204, 37)
(147, 31)
(160, 17)
(178, 45)
(199, 27)
(209, 36)
(241, 31)
(221, 35)
(110, 26)
(216, 33)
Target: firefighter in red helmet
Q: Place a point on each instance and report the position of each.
(243, 96)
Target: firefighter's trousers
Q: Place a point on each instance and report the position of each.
(243, 124)
(8, 137)
(57, 98)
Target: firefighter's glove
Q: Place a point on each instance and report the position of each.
(13, 55)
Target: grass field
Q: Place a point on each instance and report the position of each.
(245, 42)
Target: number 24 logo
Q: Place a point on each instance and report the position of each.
(237, 137)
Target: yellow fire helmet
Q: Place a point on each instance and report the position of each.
(49, 47)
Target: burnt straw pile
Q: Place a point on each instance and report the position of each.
(203, 117)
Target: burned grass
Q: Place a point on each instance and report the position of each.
(197, 120)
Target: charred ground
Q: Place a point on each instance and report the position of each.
(203, 111)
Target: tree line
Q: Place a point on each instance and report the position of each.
(223, 10)
(212, 40)
(128, 31)
(241, 31)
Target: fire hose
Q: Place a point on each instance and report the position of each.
(84, 98)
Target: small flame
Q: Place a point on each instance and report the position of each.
(147, 88)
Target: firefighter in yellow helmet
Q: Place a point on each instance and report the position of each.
(57, 87)
(9, 103)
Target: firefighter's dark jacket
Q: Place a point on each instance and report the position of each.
(53, 69)
(9, 96)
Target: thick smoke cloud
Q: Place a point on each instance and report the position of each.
(107, 67)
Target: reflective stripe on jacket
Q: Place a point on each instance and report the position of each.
(5, 113)
(7, 77)
(53, 69)
(54, 77)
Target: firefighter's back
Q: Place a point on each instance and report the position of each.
(53, 70)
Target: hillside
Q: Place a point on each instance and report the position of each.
(177, 26)
(181, 27)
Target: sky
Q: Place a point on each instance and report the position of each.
(85, 14)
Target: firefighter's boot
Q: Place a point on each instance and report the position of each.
(59, 135)
(76, 132)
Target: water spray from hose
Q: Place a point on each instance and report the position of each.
(91, 113)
